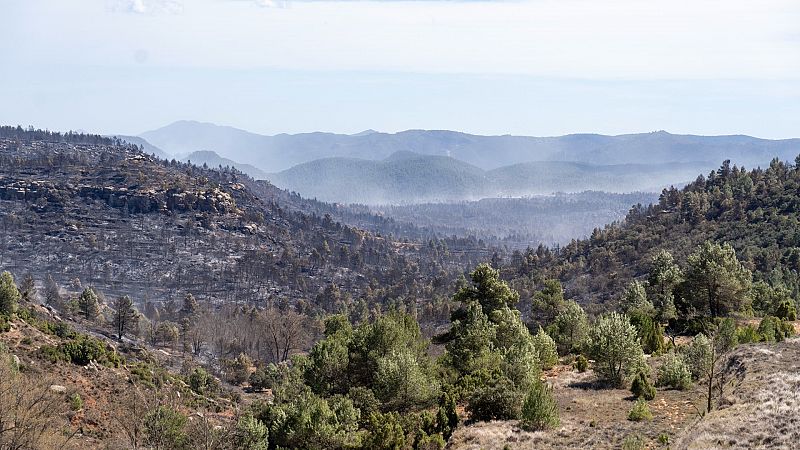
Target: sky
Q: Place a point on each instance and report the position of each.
(525, 67)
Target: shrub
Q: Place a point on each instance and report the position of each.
(81, 351)
(385, 432)
(614, 345)
(747, 334)
(546, 347)
(786, 311)
(430, 442)
(202, 382)
(264, 377)
(674, 373)
(640, 411)
(250, 434)
(697, 355)
(164, 428)
(651, 335)
(364, 399)
(75, 402)
(539, 411)
(498, 400)
(447, 416)
(581, 363)
(238, 369)
(4, 325)
(633, 442)
(641, 387)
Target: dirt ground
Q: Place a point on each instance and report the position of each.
(592, 416)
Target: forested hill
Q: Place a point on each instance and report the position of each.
(93, 211)
(756, 211)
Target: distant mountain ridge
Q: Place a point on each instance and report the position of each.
(407, 178)
(282, 151)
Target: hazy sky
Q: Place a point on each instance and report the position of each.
(536, 67)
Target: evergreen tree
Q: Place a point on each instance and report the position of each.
(88, 304)
(9, 294)
(125, 317)
(716, 281)
(540, 410)
(614, 345)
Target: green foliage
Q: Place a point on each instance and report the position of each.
(772, 300)
(548, 302)
(202, 382)
(581, 363)
(546, 348)
(9, 294)
(773, 329)
(634, 299)
(365, 401)
(402, 382)
(164, 428)
(664, 277)
(306, 420)
(250, 434)
(572, 325)
(472, 345)
(540, 410)
(633, 442)
(488, 290)
(614, 345)
(238, 369)
(385, 432)
(75, 402)
(786, 310)
(4, 324)
(747, 334)
(81, 351)
(650, 333)
(89, 304)
(641, 387)
(674, 373)
(640, 411)
(698, 355)
(447, 416)
(717, 282)
(497, 400)
(264, 377)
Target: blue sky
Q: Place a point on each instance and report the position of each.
(537, 67)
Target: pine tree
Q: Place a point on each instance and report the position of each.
(540, 410)
(9, 294)
(88, 304)
(125, 316)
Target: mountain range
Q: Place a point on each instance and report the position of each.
(418, 166)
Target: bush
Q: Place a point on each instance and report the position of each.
(674, 373)
(250, 434)
(264, 377)
(786, 311)
(364, 399)
(614, 345)
(9, 294)
(581, 363)
(697, 355)
(164, 428)
(238, 369)
(539, 411)
(4, 325)
(546, 347)
(385, 432)
(75, 402)
(747, 334)
(447, 416)
(641, 387)
(81, 351)
(633, 442)
(202, 382)
(640, 411)
(498, 400)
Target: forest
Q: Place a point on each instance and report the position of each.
(147, 303)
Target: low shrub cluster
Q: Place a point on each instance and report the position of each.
(81, 351)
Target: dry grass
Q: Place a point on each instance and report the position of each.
(592, 416)
(761, 407)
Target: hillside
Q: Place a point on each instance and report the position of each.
(126, 223)
(757, 211)
(280, 152)
(409, 178)
(213, 160)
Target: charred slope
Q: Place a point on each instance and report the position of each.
(102, 213)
